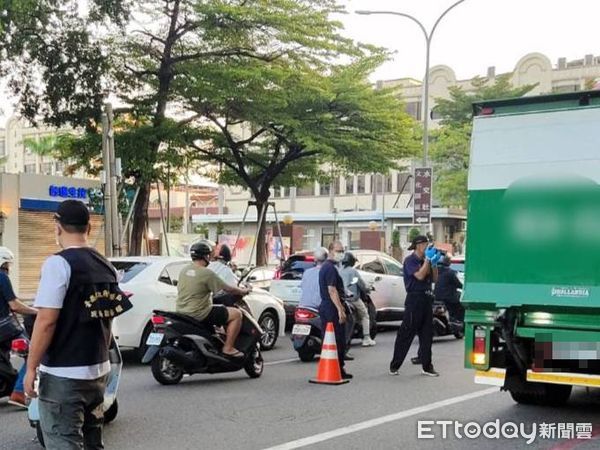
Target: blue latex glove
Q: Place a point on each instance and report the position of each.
(436, 259)
(431, 252)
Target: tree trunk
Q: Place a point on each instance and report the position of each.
(261, 241)
(140, 218)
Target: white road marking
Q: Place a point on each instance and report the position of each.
(311, 440)
(283, 361)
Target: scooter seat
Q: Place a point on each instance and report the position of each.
(184, 318)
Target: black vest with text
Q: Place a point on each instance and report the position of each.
(82, 334)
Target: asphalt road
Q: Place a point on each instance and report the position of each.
(282, 410)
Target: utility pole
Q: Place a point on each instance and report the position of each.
(108, 229)
(114, 175)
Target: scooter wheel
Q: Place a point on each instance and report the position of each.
(255, 364)
(111, 413)
(306, 356)
(165, 371)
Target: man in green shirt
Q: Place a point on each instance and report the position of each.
(195, 289)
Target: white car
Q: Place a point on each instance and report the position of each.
(152, 283)
(377, 269)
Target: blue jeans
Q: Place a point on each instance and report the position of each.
(20, 379)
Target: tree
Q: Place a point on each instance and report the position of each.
(451, 142)
(183, 73)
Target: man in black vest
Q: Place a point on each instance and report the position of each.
(77, 296)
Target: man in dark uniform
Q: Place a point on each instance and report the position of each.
(332, 307)
(419, 273)
(446, 290)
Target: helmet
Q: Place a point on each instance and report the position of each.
(6, 256)
(348, 260)
(320, 254)
(201, 250)
(224, 253)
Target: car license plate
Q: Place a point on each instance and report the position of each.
(302, 330)
(155, 339)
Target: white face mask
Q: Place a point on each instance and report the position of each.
(337, 257)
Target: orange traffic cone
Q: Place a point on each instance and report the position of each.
(329, 371)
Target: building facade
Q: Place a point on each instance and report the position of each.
(533, 68)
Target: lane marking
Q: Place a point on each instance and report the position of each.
(283, 361)
(317, 438)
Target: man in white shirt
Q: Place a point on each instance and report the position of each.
(310, 293)
(77, 297)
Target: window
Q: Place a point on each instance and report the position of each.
(285, 192)
(336, 186)
(404, 185)
(128, 269)
(371, 263)
(382, 180)
(354, 239)
(325, 189)
(47, 168)
(361, 184)
(170, 275)
(565, 88)
(328, 236)
(306, 190)
(60, 167)
(392, 267)
(29, 168)
(414, 109)
(350, 184)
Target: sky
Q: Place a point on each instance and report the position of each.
(473, 36)
(476, 34)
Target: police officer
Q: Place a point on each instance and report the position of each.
(332, 307)
(446, 290)
(419, 273)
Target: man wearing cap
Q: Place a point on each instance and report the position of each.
(419, 273)
(77, 296)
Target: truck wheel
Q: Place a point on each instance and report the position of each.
(549, 395)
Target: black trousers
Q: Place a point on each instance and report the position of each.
(340, 332)
(417, 321)
(456, 311)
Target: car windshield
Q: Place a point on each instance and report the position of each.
(294, 269)
(129, 269)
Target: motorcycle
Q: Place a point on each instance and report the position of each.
(307, 332)
(180, 344)
(443, 325)
(111, 405)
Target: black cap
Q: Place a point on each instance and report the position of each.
(418, 240)
(72, 212)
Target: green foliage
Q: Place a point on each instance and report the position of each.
(450, 144)
(220, 229)
(396, 238)
(202, 229)
(413, 233)
(176, 225)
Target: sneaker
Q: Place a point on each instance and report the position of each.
(368, 342)
(430, 372)
(394, 372)
(416, 360)
(348, 357)
(17, 399)
(346, 375)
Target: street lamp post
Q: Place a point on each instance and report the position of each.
(428, 38)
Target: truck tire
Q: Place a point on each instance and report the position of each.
(549, 395)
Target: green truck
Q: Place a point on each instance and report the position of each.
(532, 277)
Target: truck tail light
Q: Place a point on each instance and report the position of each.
(479, 347)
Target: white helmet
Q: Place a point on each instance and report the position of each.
(320, 254)
(6, 256)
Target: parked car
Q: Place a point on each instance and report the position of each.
(152, 283)
(260, 277)
(458, 263)
(377, 269)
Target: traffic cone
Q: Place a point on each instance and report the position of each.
(329, 371)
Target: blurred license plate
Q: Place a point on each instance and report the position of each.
(155, 339)
(302, 330)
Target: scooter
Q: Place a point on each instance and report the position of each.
(180, 344)
(442, 325)
(307, 332)
(8, 374)
(111, 405)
